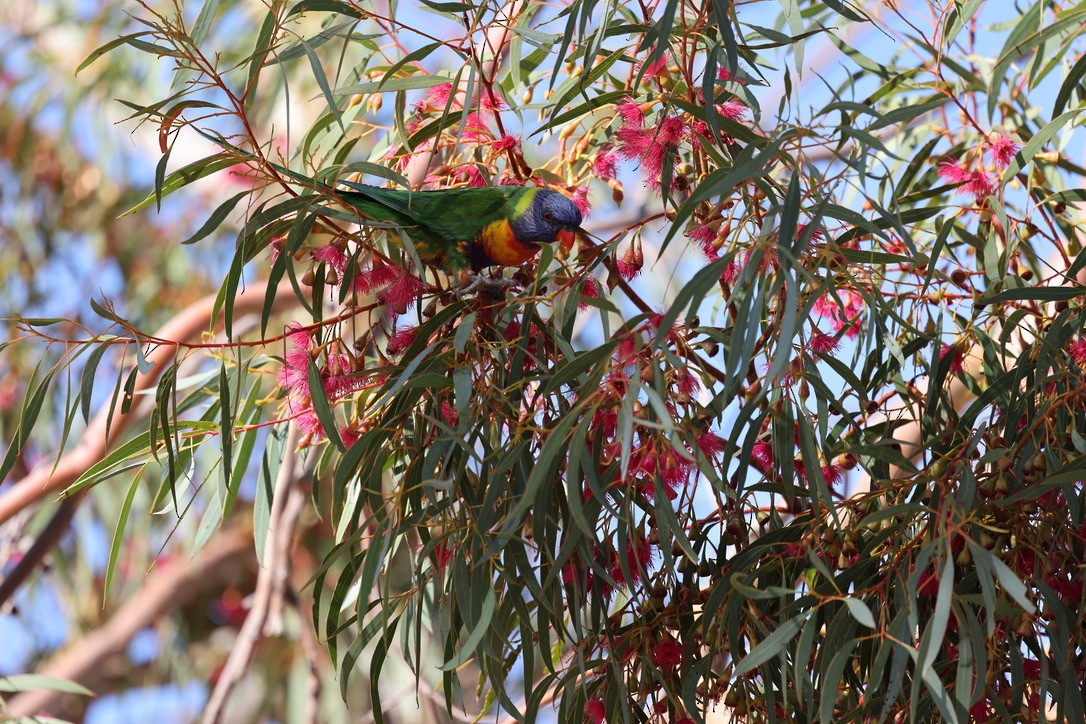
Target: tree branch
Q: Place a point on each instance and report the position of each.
(164, 589)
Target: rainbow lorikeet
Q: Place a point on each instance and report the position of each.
(472, 228)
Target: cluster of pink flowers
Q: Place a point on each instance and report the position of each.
(652, 147)
(845, 315)
(979, 182)
(638, 558)
(762, 459)
(337, 380)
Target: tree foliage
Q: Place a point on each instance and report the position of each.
(796, 434)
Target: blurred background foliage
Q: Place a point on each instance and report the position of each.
(797, 434)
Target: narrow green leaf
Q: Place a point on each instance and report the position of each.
(771, 645)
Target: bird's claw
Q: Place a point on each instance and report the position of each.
(488, 285)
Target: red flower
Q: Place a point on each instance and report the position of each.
(506, 143)
(711, 444)
(491, 102)
(605, 164)
(590, 289)
(348, 435)
(705, 237)
(843, 316)
(449, 413)
(638, 557)
(595, 711)
(402, 293)
(399, 342)
(1077, 350)
(580, 200)
(821, 343)
(734, 109)
(955, 357)
(443, 553)
(761, 456)
(331, 255)
(378, 276)
(976, 183)
(475, 130)
(1002, 149)
(656, 67)
(725, 75)
(667, 654)
(629, 112)
(629, 265)
(439, 95)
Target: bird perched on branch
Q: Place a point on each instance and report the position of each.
(470, 229)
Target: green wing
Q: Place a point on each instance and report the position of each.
(437, 221)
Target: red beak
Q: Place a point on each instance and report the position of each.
(567, 238)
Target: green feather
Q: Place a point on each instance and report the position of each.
(440, 223)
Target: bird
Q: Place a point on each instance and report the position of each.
(466, 230)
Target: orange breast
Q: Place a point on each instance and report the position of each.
(501, 246)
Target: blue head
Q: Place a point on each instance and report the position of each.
(551, 217)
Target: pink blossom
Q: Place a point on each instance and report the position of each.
(952, 172)
(761, 456)
(711, 444)
(667, 654)
(471, 175)
(725, 75)
(630, 113)
(734, 109)
(475, 130)
(831, 474)
(308, 423)
(844, 315)
(975, 183)
(955, 356)
(595, 711)
(399, 342)
(293, 375)
(639, 554)
(705, 237)
(1077, 351)
(506, 143)
(655, 67)
(633, 141)
(580, 200)
(331, 255)
(590, 289)
(980, 186)
(653, 148)
(402, 293)
(686, 382)
(439, 95)
(491, 102)
(1002, 149)
(822, 343)
(348, 435)
(605, 164)
(378, 276)
(630, 263)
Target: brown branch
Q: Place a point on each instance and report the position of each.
(102, 434)
(163, 590)
(288, 498)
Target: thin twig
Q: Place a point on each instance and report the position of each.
(102, 433)
(164, 589)
(281, 521)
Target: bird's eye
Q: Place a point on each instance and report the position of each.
(548, 216)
